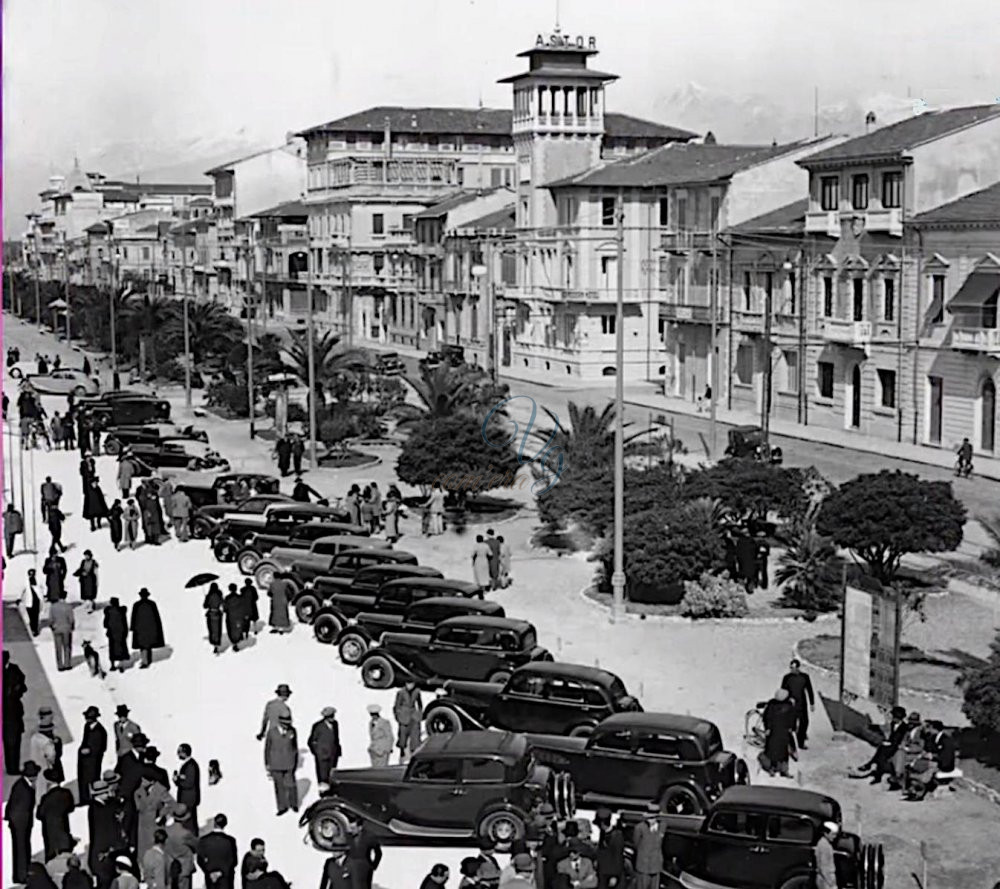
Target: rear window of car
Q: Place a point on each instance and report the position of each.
(669, 746)
(737, 824)
(457, 636)
(527, 684)
(484, 770)
(791, 829)
(619, 740)
(436, 770)
(528, 640)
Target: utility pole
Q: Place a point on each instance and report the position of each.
(38, 292)
(311, 360)
(350, 294)
(765, 408)
(713, 352)
(185, 298)
(66, 270)
(111, 313)
(250, 313)
(618, 576)
(491, 313)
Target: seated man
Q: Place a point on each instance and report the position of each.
(938, 758)
(908, 751)
(893, 734)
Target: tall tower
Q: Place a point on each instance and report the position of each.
(558, 120)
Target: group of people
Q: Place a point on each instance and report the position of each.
(370, 510)
(491, 561)
(289, 450)
(237, 610)
(786, 720)
(75, 428)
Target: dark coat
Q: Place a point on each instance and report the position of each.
(337, 874)
(20, 808)
(89, 764)
(780, 718)
(324, 740)
(235, 616)
(611, 853)
(944, 752)
(249, 595)
(87, 573)
(94, 504)
(217, 852)
(55, 571)
(189, 784)
(53, 812)
(129, 769)
(115, 523)
(147, 628)
(366, 852)
(105, 824)
(116, 629)
(800, 689)
(77, 879)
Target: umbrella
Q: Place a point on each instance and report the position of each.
(200, 580)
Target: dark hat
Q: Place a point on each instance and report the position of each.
(914, 718)
(898, 712)
(110, 775)
(30, 769)
(98, 788)
(139, 740)
(522, 862)
(283, 689)
(603, 816)
(52, 776)
(121, 710)
(143, 593)
(547, 810)
(45, 721)
(328, 711)
(577, 846)
(91, 713)
(151, 753)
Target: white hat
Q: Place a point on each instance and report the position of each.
(831, 827)
(374, 709)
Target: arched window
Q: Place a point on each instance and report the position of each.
(988, 410)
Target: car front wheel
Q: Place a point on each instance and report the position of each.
(502, 828)
(352, 648)
(263, 575)
(799, 882)
(327, 628)
(305, 609)
(200, 529)
(328, 830)
(225, 551)
(112, 447)
(680, 800)
(378, 673)
(443, 721)
(247, 561)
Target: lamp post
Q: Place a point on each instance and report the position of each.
(618, 575)
(250, 313)
(111, 307)
(311, 361)
(38, 291)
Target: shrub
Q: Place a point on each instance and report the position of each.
(808, 571)
(714, 595)
(230, 397)
(296, 412)
(981, 685)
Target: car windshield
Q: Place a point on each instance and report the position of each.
(714, 742)
(528, 640)
(618, 690)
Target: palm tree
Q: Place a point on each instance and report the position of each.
(146, 318)
(211, 330)
(807, 568)
(331, 360)
(588, 437)
(443, 391)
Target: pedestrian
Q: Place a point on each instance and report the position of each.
(153, 514)
(15, 687)
(610, 852)
(165, 491)
(13, 525)
(217, 855)
(42, 749)
(274, 710)
(51, 494)
(408, 710)
(19, 813)
(150, 756)
(779, 743)
(577, 868)
(53, 811)
(324, 744)
(648, 863)
(826, 858)
(233, 607)
(153, 803)
(280, 591)
(130, 769)
(95, 506)
(505, 579)
(180, 515)
(469, 869)
(353, 504)
(746, 561)
(435, 511)
(380, 737)
(438, 877)
(180, 847)
(126, 471)
(213, 605)
(147, 628)
(337, 872)
(281, 759)
(187, 780)
(55, 570)
(62, 623)
(481, 563)
(57, 362)
(254, 861)
(88, 472)
(488, 871)
(55, 523)
(38, 877)
(248, 593)
(86, 366)
(56, 427)
(106, 833)
(90, 756)
(763, 554)
(153, 864)
(391, 519)
(283, 452)
(75, 877)
(87, 575)
(132, 517)
(367, 509)
(31, 601)
(115, 522)
(298, 448)
(69, 431)
(800, 690)
(303, 493)
(376, 501)
(83, 427)
(363, 851)
(125, 730)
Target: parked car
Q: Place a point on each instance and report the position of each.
(632, 759)
(359, 571)
(545, 698)
(341, 603)
(126, 410)
(301, 564)
(389, 364)
(117, 437)
(206, 519)
(473, 648)
(258, 547)
(763, 838)
(366, 629)
(455, 790)
(177, 453)
(62, 382)
(749, 442)
(232, 533)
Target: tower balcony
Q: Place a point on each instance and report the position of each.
(984, 341)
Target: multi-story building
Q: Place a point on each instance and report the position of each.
(281, 243)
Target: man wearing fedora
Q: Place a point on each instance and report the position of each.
(187, 779)
(104, 825)
(274, 710)
(380, 737)
(324, 744)
(181, 848)
(125, 729)
(15, 687)
(19, 813)
(42, 748)
(281, 759)
(53, 811)
(62, 623)
(130, 769)
(153, 803)
(90, 757)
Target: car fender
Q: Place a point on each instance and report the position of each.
(336, 803)
(353, 629)
(690, 784)
(501, 805)
(401, 671)
(466, 717)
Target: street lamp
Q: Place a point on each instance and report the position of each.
(618, 574)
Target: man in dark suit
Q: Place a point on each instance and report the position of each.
(324, 744)
(800, 689)
(364, 853)
(130, 770)
(217, 856)
(881, 762)
(493, 545)
(90, 757)
(610, 852)
(14, 688)
(20, 816)
(187, 779)
(337, 872)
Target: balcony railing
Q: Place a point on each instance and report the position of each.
(748, 322)
(976, 339)
(695, 314)
(888, 221)
(823, 222)
(850, 333)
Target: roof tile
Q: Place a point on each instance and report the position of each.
(980, 206)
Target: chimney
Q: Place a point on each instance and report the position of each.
(869, 120)
(709, 138)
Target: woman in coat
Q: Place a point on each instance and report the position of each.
(279, 592)
(213, 616)
(116, 523)
(505, 578)
(126, 469)
(55, 571)
(87, 574)
(95, 507)
(392, 519)
(132, 517)
(147, 628)
(353, 504)
(116, 628)
(481, 563)
(248, 593)
(435, 511)
(367, 507)
(232, 605)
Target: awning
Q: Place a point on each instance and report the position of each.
(57, 304)
(975, 291)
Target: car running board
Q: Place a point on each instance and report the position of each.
(404, 828)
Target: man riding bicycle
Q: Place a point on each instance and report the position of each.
(965, 457)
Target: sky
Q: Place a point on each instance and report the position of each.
(130, 82)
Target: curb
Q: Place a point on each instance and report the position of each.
(979, 789)
(903, 690)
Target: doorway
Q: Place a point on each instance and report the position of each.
(852, 398)
(935, 388)
(679, 379)
(988, 413)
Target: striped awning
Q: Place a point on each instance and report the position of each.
(976, 290)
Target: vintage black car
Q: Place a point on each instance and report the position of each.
(206, 519)
(474, 648)
(300, 564)
(545, 698)
(176, 453)
(278, 521)
(748, 442)
(633, 759)
(762, 838)
(124, 409)
(456, 790)
(342, 602)
(354, 572)
(292, 542)
(389, 364)
(118, 437)
(420, 618)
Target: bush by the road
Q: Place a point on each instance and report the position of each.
(981, 685)
(714, 595)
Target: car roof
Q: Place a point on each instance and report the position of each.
(403, 571)
(572, 671)
(805, 801)
(471, 606)
(672, 722)
(440, 583)
(390, 557)
(508, 745)
(235, 476)
(487, 622)
(320, 523)
(312, 508)
(356, 543)
(746, 429)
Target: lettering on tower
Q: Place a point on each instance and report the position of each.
(565, 41)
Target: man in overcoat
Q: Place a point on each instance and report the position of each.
(187, 779)
(147, 628)
(217, 855)
(90, 756)
(324, 744)
(281, 759)
(19, 813)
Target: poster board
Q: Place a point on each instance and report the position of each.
(856, 664)
(885, 649)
